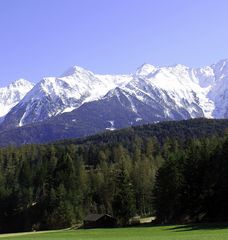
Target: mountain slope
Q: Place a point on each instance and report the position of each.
(13, 94)
(51, 131)
(219, 90)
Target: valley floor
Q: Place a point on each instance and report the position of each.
(180, 232)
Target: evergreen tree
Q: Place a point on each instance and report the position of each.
(123, 201)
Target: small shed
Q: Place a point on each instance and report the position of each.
(99, 221)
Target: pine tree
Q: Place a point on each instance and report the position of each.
(123, 202)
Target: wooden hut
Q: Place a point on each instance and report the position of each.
(99, 221)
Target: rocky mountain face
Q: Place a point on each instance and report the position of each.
(92, 102)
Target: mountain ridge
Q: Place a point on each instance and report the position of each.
(94, 102)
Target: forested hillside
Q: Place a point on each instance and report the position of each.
(178, 172)
(180, 130)
(50, 131)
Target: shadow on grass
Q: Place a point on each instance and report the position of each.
(200, 226)
(187, 227)
(176, 228)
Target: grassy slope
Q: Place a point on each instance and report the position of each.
(139, 233)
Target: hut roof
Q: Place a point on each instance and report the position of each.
(95, 217)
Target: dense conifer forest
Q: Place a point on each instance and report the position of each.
(177, 171)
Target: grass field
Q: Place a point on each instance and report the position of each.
(199, 232)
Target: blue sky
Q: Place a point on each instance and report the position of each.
(45, 37)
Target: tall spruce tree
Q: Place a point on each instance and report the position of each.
(123, 201)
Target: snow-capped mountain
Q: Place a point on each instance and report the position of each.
(11, 95)
(151, 94)
(53, 96)
(219, 89)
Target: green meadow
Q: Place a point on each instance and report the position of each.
(188, 232)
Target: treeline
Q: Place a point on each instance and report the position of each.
(56, 185)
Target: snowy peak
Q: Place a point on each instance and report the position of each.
(76, 71)
(21, 83)
(45, 88)
(221, 69)
(146, 69)
(221, 65)
(13, 94)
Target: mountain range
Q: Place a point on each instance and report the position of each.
(80, 103)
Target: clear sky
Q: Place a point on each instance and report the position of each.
(45, 37)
